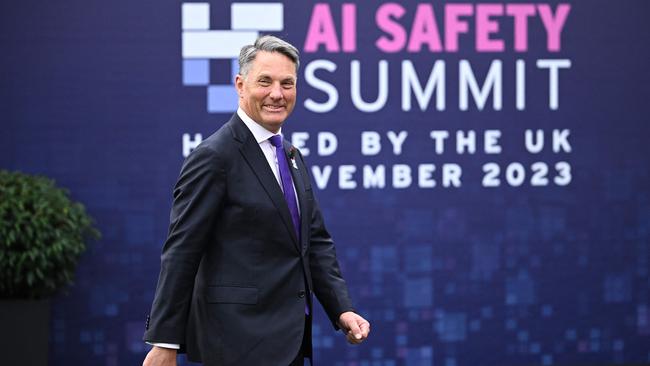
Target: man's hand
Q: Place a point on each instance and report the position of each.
(355, 327)
(159, 356)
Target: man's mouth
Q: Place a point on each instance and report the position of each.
(274, 108)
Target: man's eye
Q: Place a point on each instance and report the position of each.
(287, 84)
(265, 82)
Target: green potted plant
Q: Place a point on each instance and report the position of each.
(42, 235)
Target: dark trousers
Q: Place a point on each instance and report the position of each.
(304, 351)
(299, 361)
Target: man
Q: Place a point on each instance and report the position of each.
(247, 245)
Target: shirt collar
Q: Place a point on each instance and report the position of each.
(260, 133)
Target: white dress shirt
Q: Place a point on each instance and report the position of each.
(262, 136)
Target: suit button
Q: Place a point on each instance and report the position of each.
(301, 294)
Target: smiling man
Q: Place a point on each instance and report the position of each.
(247, 246)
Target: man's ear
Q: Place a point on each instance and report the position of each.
(239, 84)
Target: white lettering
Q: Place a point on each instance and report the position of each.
(439, 137)
(411, 82)
(560, 141)
(370, 143)
(425, 175)
(299, 139)
(401, 176)
(536, 144)
(327, 88)
(521, 85)
(465, 142)
(467, 81)
(321, 177)
(355, 86)
(327, 143)
(491, 142)
(553, 67)
(189, 144)
(345, 177)
(397, 140)
(374, 179)
(451, 174)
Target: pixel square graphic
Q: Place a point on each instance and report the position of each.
(200, 44)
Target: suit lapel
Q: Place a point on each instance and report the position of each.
(255, 158)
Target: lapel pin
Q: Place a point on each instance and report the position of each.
(292, 156)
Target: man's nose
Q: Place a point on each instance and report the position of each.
(276, 91)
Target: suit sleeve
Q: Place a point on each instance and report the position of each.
(197, 197)
(328, 283)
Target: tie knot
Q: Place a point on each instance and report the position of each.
(276, 140)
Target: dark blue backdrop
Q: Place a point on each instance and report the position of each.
(551, 270)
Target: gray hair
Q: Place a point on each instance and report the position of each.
(268, 44)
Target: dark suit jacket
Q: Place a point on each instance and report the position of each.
(233, 274)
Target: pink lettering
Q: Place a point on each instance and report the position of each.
(453, 25)
(520, 13)
(553, 24)
(349, 31)
(321, 30)
(486, 26)
(385, 21)
(424, 30)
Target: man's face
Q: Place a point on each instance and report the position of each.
(268, 93)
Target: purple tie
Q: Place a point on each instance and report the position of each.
(287, 185)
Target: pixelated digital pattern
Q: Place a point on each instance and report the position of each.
(200, 44)
(561, 282)
(97, 98)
